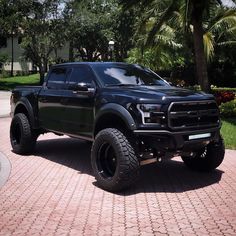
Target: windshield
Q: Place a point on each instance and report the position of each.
(125, 74)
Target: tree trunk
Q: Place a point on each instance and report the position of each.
(12, 53)
(71, 52)
(200, 60)
(45, 65)
(41, 73)
(89, 55)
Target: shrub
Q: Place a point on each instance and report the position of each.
(224, 96)
(5, 74)
(228, 109)
(215, 89)
(21, 73)
(3, 59)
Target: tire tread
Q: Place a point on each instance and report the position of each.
(28, 136)
(129, 164)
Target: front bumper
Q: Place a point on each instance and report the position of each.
(168, 140)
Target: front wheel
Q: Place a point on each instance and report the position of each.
(113, 159)
(207, 159)
(23, 137)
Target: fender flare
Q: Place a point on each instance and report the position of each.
(25, 102)
(116, 109)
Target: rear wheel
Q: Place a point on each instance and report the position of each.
(113, 159)
(23, 137)
(207, 159)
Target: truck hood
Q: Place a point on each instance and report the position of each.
(154, 94)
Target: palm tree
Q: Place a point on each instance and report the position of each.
(165, 52)
(220, 31)
(193, 13)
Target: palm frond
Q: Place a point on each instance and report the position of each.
(167, 37)
(222, 20)
(160, 21)
(208, 41)
(227, 43)
(223, 27)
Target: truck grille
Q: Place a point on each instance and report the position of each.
(185, 115)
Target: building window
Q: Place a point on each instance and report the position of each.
(3, 42)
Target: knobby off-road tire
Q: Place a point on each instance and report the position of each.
(113, 159)
(207, 159)
(23, 137)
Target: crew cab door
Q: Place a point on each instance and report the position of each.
(79, 102)
(51, 108)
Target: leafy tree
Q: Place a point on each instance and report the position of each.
(92, 24)
(11, 15)
(89, 28)
(3, 59)
(123, 30)
(43, 33)
(39, 23)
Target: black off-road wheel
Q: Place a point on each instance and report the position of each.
(207, 159)
(113, 159)
(23, 137)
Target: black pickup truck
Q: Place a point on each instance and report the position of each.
(132, 116)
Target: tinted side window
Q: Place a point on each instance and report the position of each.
(57, 78)
(81, 74)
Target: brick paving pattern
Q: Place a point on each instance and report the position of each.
(55, 193)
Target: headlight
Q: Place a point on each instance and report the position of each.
(149, 107)
(151, 113)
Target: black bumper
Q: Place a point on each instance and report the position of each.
(169, 140)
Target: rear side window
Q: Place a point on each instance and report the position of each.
(81, 74)
(57, 78)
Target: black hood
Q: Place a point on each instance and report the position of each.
(154, 94)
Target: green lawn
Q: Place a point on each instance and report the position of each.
(228, 131)
(12, 82)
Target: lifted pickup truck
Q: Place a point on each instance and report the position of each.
(132, 116)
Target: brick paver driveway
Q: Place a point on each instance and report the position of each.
(54, 192)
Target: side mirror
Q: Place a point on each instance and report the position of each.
(82, 87)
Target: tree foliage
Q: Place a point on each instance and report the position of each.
(202, 20)
(92, 24)
(11, 15)
(43, 33)
(89, 28)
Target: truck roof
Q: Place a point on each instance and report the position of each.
(89, 63)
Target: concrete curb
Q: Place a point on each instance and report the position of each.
(5, 169)
(5, 116)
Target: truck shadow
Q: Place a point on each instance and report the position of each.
(174, 176)
(70, 152)
(168, 176)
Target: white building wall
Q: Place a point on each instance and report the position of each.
(19, 62)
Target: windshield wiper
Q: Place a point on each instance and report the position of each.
(154, 84)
